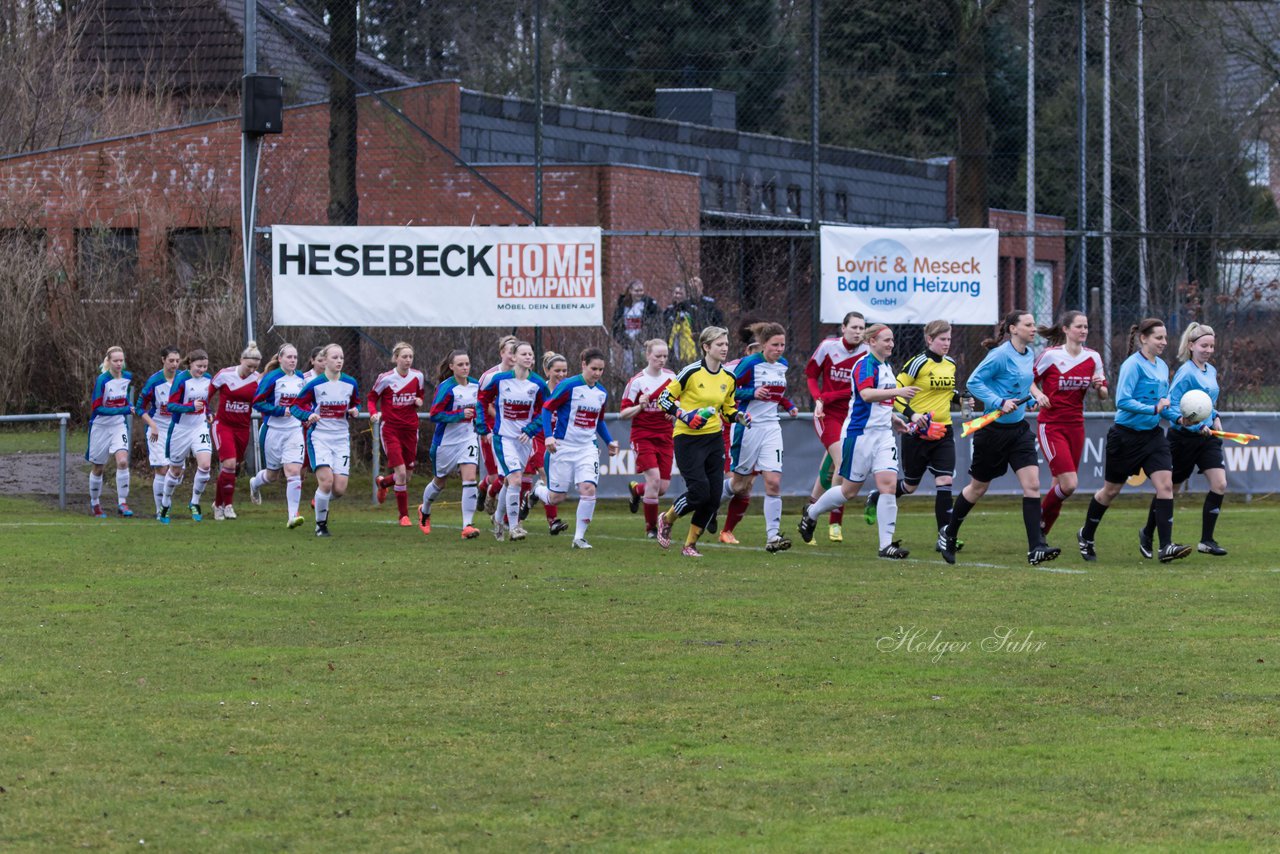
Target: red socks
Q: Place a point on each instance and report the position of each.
(651, 514)
(837, 516)
(402, 500)
(737, 509)
(551, 511)
(1050, 507)
(226, 488)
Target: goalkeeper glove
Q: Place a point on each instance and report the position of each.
(696, 418)
(743, 418)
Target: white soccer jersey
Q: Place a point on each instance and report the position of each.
(184, 394)
(276, 393)
(515, 402)
(579, 412)
(452, 429)
(870, 372)
(754, 372)
(330, 399)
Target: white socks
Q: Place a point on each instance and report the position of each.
(469, 500)
(886, 517)
(122, 486)
(543, 493)
(95, 489)
(198, 484)
(322, 506)
(830, 500)
(772, 515)
(429, 494)
(157, 490)
(293, 493)
(726, 493)
(586, 507)
(170, 484)
(258, 481)
(513, 506)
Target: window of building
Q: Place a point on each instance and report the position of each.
(717, 193)
(842, 206)
(200, 257)
(107, 262)
(769, 198)
(793, 201)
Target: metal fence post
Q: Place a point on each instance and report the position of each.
(377, 459)
(62, 463)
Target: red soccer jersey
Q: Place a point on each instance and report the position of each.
(235, 396)
(396, 397)
(650, 422)
(830, 371)
(1065, 379)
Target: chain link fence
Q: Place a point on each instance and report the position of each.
(708, 140)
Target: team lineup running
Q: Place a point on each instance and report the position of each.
(538, 436)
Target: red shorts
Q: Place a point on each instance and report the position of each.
(831, 427)
(490, 461)
(230, 442)
(537, 457)
(400, 444)
(1062, 446)
(654, 454)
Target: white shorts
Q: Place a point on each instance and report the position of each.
(870, 453)
(756, 448)
(155, 447)
(184, 440)
(331, 451)
(105, 441)
(447, 458)
(570, 465)
(282, 446)
(511, 454)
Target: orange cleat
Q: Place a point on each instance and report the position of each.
(470, 532)
(405, 523)
(728, 538)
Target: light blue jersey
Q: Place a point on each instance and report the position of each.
(1005, 374)
(1188, 377)
(1140, 388)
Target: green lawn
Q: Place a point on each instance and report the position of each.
(236, 686)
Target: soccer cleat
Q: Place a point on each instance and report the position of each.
(1173, 552)
(691, 551)
(651, 533)
(163, 516)
(1210, 547)
(518, 533)
(295, 522)
(526, 501)
(1086, 547)
(634, 499)
(499, 528)
(255, 494)
(382, 492)
(424, 521)
(777, 543)
(490, 503)
(937, 547)
(123, 510)
(728, 538)
(1144, 544)
(946, 546)
(894, 551)
(835, 533)
(664, 531)
(581, 544)
(470, 532)
(96, 511)
(322, 529)
(196, 514)
(557, 526)
(1042, 553)
(229, 512)
(405, 522)
(869, 511)
(218, 514)
(806, 525)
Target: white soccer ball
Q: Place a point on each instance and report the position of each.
(1196, 406)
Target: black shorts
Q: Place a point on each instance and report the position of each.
(1130, 451)
(936, 456)
(1000, 447)
(1192, 450)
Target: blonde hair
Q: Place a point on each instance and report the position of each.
(251, 351)
(400, 347)
(710, 334)
(275, 360)
(549, 358)
(1193, 333)
(651, 343)
(873, 330)
(106, 360)
(506, 341)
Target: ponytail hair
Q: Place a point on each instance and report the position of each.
(275, 360)
(106, 360)
(1056, 334)
(317, 352)
(1142, 329)
(251, 351)
(1002, 331)
(400, 347)
(445, 369)
(651, 343)
(851, 315)
(1193, 333)
(549, 358)
(195, 356)
(590, 354)
(507, 341)
(165, 351)
(873, 330)
(763, 331)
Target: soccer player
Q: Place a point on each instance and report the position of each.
(828, 373)
(1193, 446)
(454, 443)
(324, 405)
(571, 418)
(317, 363)
(931, 447)
(760, 382)
(283, 445)
(109, 413)
(189, 433)
(869, 446)
(154, 413)
(493, 481)
(555, 368)
(1064, 372)
(650, 433)
(516, 397)
(1002, 380)
(1136, 443)
(235, 389)
(700, 398)
(393, 403)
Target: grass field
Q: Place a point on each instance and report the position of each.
(236, 686)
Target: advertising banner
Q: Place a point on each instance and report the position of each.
(410, 276)
(911, 275)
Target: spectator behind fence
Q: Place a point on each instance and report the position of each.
(635, 319)
(689, 313)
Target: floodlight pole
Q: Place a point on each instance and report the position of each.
(249, 150)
